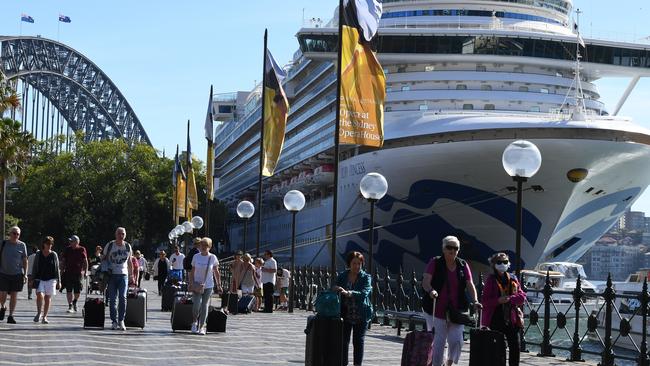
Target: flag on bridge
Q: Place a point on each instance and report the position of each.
(362, 80)
(26, 18)
(64, 18)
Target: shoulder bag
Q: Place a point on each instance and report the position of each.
(456, 316)
(198, 288)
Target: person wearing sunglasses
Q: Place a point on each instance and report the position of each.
(502, 299)
(447, 283)
(13, 272)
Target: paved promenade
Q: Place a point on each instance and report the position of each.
(254, 339)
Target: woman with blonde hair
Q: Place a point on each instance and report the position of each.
(247, 275)
(46, 278)
(203, 277)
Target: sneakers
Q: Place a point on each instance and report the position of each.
(114, 326)
(122, 326)
(202, 331)
(195, 327)
(74, 307)
(2, 313)
(45, 321)
(10, 320)
(70, 311)
(37, 317)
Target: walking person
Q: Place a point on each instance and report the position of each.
(142, 266)
(355, 286)
(118, 253)
(448, 278)
(46, 278)
(284, 276)
(30, 267)
(501, 299)
(205, 269)
(13, 272)
(258, 292)
(75, 267)
(177, 264)
(268, 280)
(161, 268)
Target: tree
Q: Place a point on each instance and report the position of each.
(8, 97)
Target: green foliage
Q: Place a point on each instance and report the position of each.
(92, 190)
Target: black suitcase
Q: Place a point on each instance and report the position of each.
(182, 314)
(93, 313)
(136, 309)
(230, 301)
(245, 304)
(486, 347)
(324, 346)
(168, 296)
(216, 320)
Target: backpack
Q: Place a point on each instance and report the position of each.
(187, 261)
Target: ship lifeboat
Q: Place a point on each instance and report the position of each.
(323, 175)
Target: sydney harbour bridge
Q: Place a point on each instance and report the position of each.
(63, 92)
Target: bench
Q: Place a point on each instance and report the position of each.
(410, 317)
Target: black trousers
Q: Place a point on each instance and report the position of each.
(161, 283)
(513, 339)
(268, 288)
(140, 275)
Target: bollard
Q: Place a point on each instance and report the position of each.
(546, 349)
(576, 350)
(609, 295)
(644, 297)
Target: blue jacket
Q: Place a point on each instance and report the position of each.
(360, 291)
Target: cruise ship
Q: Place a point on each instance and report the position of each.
(464, 80)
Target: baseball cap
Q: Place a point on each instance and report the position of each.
(239, 252)
(74, 238)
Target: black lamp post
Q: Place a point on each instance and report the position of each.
(373, 187)
(521, 160)
(245, 210)
(294, 201)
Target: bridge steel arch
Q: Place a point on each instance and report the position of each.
(84, 95)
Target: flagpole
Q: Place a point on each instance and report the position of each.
(336, 145)
(259, 182)
(187, 167)
(210, 179)
(208, 199)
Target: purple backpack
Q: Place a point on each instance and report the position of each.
(417, 349)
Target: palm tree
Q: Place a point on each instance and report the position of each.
(8, 97)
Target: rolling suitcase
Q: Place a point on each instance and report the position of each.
(93, 313)
(216, 320)
(182, 314)
(324, 346)
(229, 301)
(168, 296)
(136, 308)
(245, 304)
(418, 347)
(486, 347)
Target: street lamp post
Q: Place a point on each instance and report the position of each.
(294, 201)
(521, 160)
(373, 187)
(245, 210)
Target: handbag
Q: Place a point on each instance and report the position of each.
(328, 304)
(198, 288)
(456, 316)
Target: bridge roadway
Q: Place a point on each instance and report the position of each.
(254, 339)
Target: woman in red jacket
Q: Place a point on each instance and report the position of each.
(502, 299)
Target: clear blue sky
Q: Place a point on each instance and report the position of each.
(164, 55)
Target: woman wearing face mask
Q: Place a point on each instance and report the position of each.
(501, 299)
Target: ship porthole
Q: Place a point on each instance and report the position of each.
(577, 175)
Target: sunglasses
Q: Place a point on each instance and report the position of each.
(502, 262)
(451, 247)
(14, 233)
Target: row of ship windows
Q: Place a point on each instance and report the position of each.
(464, 87)
(562, 6)
(468, 107)
(479, 68)
(463, 12)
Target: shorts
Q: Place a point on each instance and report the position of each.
(47, 287)
(247, 289)
(284, 291)
(11, 283)
(72, 282)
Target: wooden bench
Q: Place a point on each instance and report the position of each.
(410, 317)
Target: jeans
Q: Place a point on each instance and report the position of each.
(268, 289)
(200, 303)
(117, 286)
(358, 333)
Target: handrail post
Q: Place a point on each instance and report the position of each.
(479, 296)
(375, 293)
(644, 297)
(576, 350)
(607, 358)
(546, 347)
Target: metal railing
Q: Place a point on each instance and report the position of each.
(403, 292)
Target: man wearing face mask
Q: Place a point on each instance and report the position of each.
(502, 299)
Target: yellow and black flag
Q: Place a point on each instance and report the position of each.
(362, 79)
(276, 110)
(178, 182)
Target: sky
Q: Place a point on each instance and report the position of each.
(164, 55)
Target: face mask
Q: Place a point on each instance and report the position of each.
(501, 267)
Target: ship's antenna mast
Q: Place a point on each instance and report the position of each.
(580, 108)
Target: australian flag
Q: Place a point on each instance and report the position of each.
(26, 18)
(64, 18)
